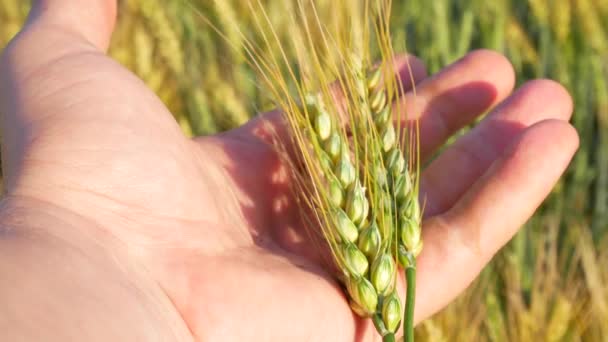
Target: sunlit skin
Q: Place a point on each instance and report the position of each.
(115, 226)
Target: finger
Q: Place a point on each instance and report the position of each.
(457, 95)
(472, 154)
(59, 93)
(274, 125)
(33, 66)
(89, 20)
(459, 243)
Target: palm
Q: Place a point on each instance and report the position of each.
(212, 219)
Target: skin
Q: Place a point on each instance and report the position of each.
(117, 227)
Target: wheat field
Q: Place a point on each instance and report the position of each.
(551, 282)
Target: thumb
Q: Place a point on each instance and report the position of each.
(89, 20)
(43, 63)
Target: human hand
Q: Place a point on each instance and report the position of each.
(116, 225)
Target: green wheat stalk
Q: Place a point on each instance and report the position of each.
(359, 179)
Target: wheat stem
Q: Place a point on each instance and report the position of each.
(388, 338)
(408, 314)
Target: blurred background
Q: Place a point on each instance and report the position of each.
(551, 282)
